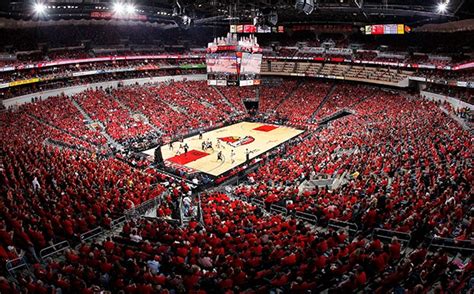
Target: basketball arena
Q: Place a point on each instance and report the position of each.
(191, 146)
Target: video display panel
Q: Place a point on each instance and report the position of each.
(221, 63)
(251, 63)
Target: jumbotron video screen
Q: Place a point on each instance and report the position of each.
(233, 69)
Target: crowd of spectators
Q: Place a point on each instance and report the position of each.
(240, 249)
(117, 120)
(237, 95)
(80, 69)
(64, 74)
(303, 102)
(406, 166)
(60, 112)
(50, 194)
(25, 89)
(344, 97)
(443, 76)
(173, 109)
(370, 55)
(272, 95)
(465, 94)
(199, 110)
(202, 92)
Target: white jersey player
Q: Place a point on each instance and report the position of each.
(232, 156)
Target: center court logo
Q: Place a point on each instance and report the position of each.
(236, 141)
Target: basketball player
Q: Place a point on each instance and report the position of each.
(186, 148)
(209, 146)
(171, 145)
(219, 156)
(232, 156)
(218, 144)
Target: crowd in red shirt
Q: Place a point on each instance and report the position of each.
(236, 95)
(240, 249)
(407, 166)
(117, 120)
(53, 194)
(59, 111)
(344, 97)
(303, 102)
(272, 95)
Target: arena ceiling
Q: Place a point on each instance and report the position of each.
(224, 12)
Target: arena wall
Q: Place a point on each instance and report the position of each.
(456, 103)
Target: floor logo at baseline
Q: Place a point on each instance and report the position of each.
(236, 141)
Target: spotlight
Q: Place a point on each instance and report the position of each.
(129, 8)
(118, 8)
(442, 7)
(39, 8)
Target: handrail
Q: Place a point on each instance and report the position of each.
(389, 234)
(118, 221)
(338, 224)
(180, 207)
(243, 198)
(145, 206)
(311, 218)
(450, 243)
(274, 208)
(257, 202)
(54, 249)
(14, 264)
(91, 234)
(200, 214)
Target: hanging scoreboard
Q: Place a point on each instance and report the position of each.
(234, 62)
(386, 29)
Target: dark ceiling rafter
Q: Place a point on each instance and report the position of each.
(224, 12)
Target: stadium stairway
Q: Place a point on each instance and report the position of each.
(62, 145)
(288, 95)
(225, 99)
(146, 120)
(40, 120)
(168, 103)
(110, 140)
(325, 99)
(130, 111)
(175, 107)
(81, 110)
(338, 114)
(205, 103)
(137, 114)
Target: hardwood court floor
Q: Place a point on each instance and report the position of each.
(256, 137)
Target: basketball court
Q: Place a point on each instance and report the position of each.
(256, 138)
